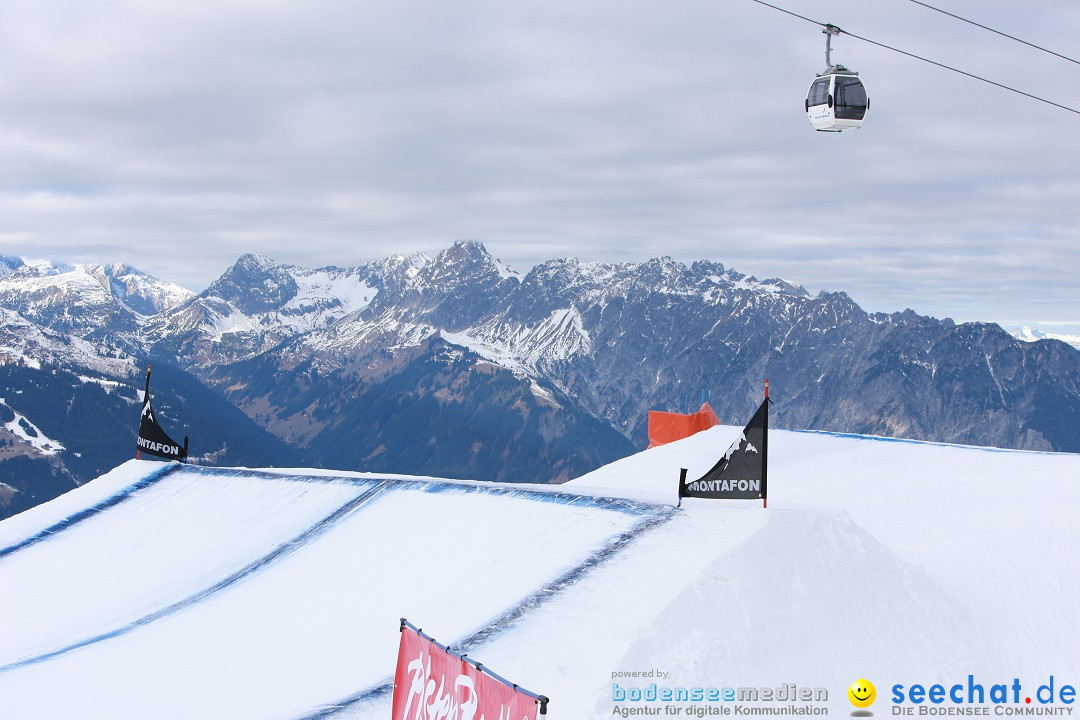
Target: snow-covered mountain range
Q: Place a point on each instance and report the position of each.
(1030, 334)
(458, 365)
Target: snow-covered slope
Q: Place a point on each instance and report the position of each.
(557, 337)
(32, 345)
(154, 592)
(21, 430)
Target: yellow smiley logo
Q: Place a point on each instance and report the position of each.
(862, 693)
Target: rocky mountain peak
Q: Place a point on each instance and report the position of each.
(9, 264)
(464, 262)
(254, 284)
(467, 250)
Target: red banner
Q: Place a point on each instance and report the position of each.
(433, 684)
(665, 427)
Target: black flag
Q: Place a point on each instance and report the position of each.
(742, 473)
(152, 439)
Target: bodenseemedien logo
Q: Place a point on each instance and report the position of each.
(714, 700)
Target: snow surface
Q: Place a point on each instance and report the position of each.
(316, 289)
(277, 594)
(23, 430)
(184, 580)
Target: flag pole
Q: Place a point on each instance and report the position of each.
(765, 452)
(682, 482)
(138, 451)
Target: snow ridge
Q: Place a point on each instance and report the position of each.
(558, 337)
(27, 432)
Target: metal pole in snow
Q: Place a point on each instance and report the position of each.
(765, 451)
(682, 482)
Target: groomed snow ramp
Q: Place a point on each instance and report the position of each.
(171, 591)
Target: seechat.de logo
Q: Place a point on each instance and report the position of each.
(862, 693)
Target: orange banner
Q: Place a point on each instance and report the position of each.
(665, 427)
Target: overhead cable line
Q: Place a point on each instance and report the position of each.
(984, 27)
(919, 57)
(801, 17)
(963, 72)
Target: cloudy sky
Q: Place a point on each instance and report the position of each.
(176, 136)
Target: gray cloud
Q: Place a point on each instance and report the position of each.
(176, 137)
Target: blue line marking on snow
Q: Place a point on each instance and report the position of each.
(650, 516)
(152, 479)
(562, 497)
(87, 513)
(209, 471)
(283, 550)
(660, 514)
(935, 443)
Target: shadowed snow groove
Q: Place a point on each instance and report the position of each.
(70, 522)
(652, 517)
(560, 497)
(281, 551)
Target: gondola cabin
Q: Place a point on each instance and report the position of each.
(837, 100)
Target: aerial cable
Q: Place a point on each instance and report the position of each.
(919, 57)
(963, 72)
(801, 17)
(984, 27)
